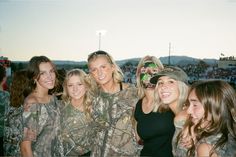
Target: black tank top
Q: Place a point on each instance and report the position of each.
(156, 130)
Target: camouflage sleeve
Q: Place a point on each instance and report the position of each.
(30, 122)
(4, 104)
(6, 101)
(133, 95)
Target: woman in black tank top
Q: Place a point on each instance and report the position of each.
(155, 129)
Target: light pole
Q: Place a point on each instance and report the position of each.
(169, 54)
(100, 33)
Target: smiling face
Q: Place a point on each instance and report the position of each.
(101, 70)
(76, 89)
(47, 76)
(168, 90)
(195, 109)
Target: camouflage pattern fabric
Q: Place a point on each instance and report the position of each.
(178, 150)
(13, 132)
(41, 123)
(4, 103)
(114, 115)
(73, 133)
(228, 150)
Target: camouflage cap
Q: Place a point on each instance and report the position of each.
(173, 72)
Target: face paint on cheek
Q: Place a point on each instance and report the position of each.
(145, 80)
(147, 73)
(144, 77)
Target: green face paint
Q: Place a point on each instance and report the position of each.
(144, 77)
(146, 74)
(145, 80)
(150, 64)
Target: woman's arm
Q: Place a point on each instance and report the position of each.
(25, 148)
(204, 150)
(28, 120)
(139, 140)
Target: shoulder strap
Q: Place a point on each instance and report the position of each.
(121, 87)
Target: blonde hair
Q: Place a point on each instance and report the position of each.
(118, 75)
(183, 95)
(90, 87)
(140, 86)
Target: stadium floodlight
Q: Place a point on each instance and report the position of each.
(100, 33)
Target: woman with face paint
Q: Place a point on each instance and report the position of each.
(155, 128)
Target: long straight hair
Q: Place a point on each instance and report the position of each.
(183, 94)
(19, 88)
(219, 102)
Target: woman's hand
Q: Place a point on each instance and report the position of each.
(25, 148)
(186, 140)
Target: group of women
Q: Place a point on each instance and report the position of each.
(99, 115)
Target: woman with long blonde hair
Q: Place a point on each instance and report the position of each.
(76, 114)
(112, 109)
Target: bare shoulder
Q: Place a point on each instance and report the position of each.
(181, 115)
(30, 99)
(204, 149)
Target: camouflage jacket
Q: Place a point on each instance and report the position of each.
(4, 104)
(114, 115)
(13, 131)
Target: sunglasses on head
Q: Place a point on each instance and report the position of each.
(97, 53)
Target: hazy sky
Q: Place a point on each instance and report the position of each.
(66, 29)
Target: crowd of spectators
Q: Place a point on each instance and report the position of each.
(195, 72)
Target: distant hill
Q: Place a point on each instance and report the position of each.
(185, 60)
(174, 60)
(60, 62)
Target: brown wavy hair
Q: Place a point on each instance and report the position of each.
(2, 72)
(19, 88)
(34, 71)
(219, 102)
